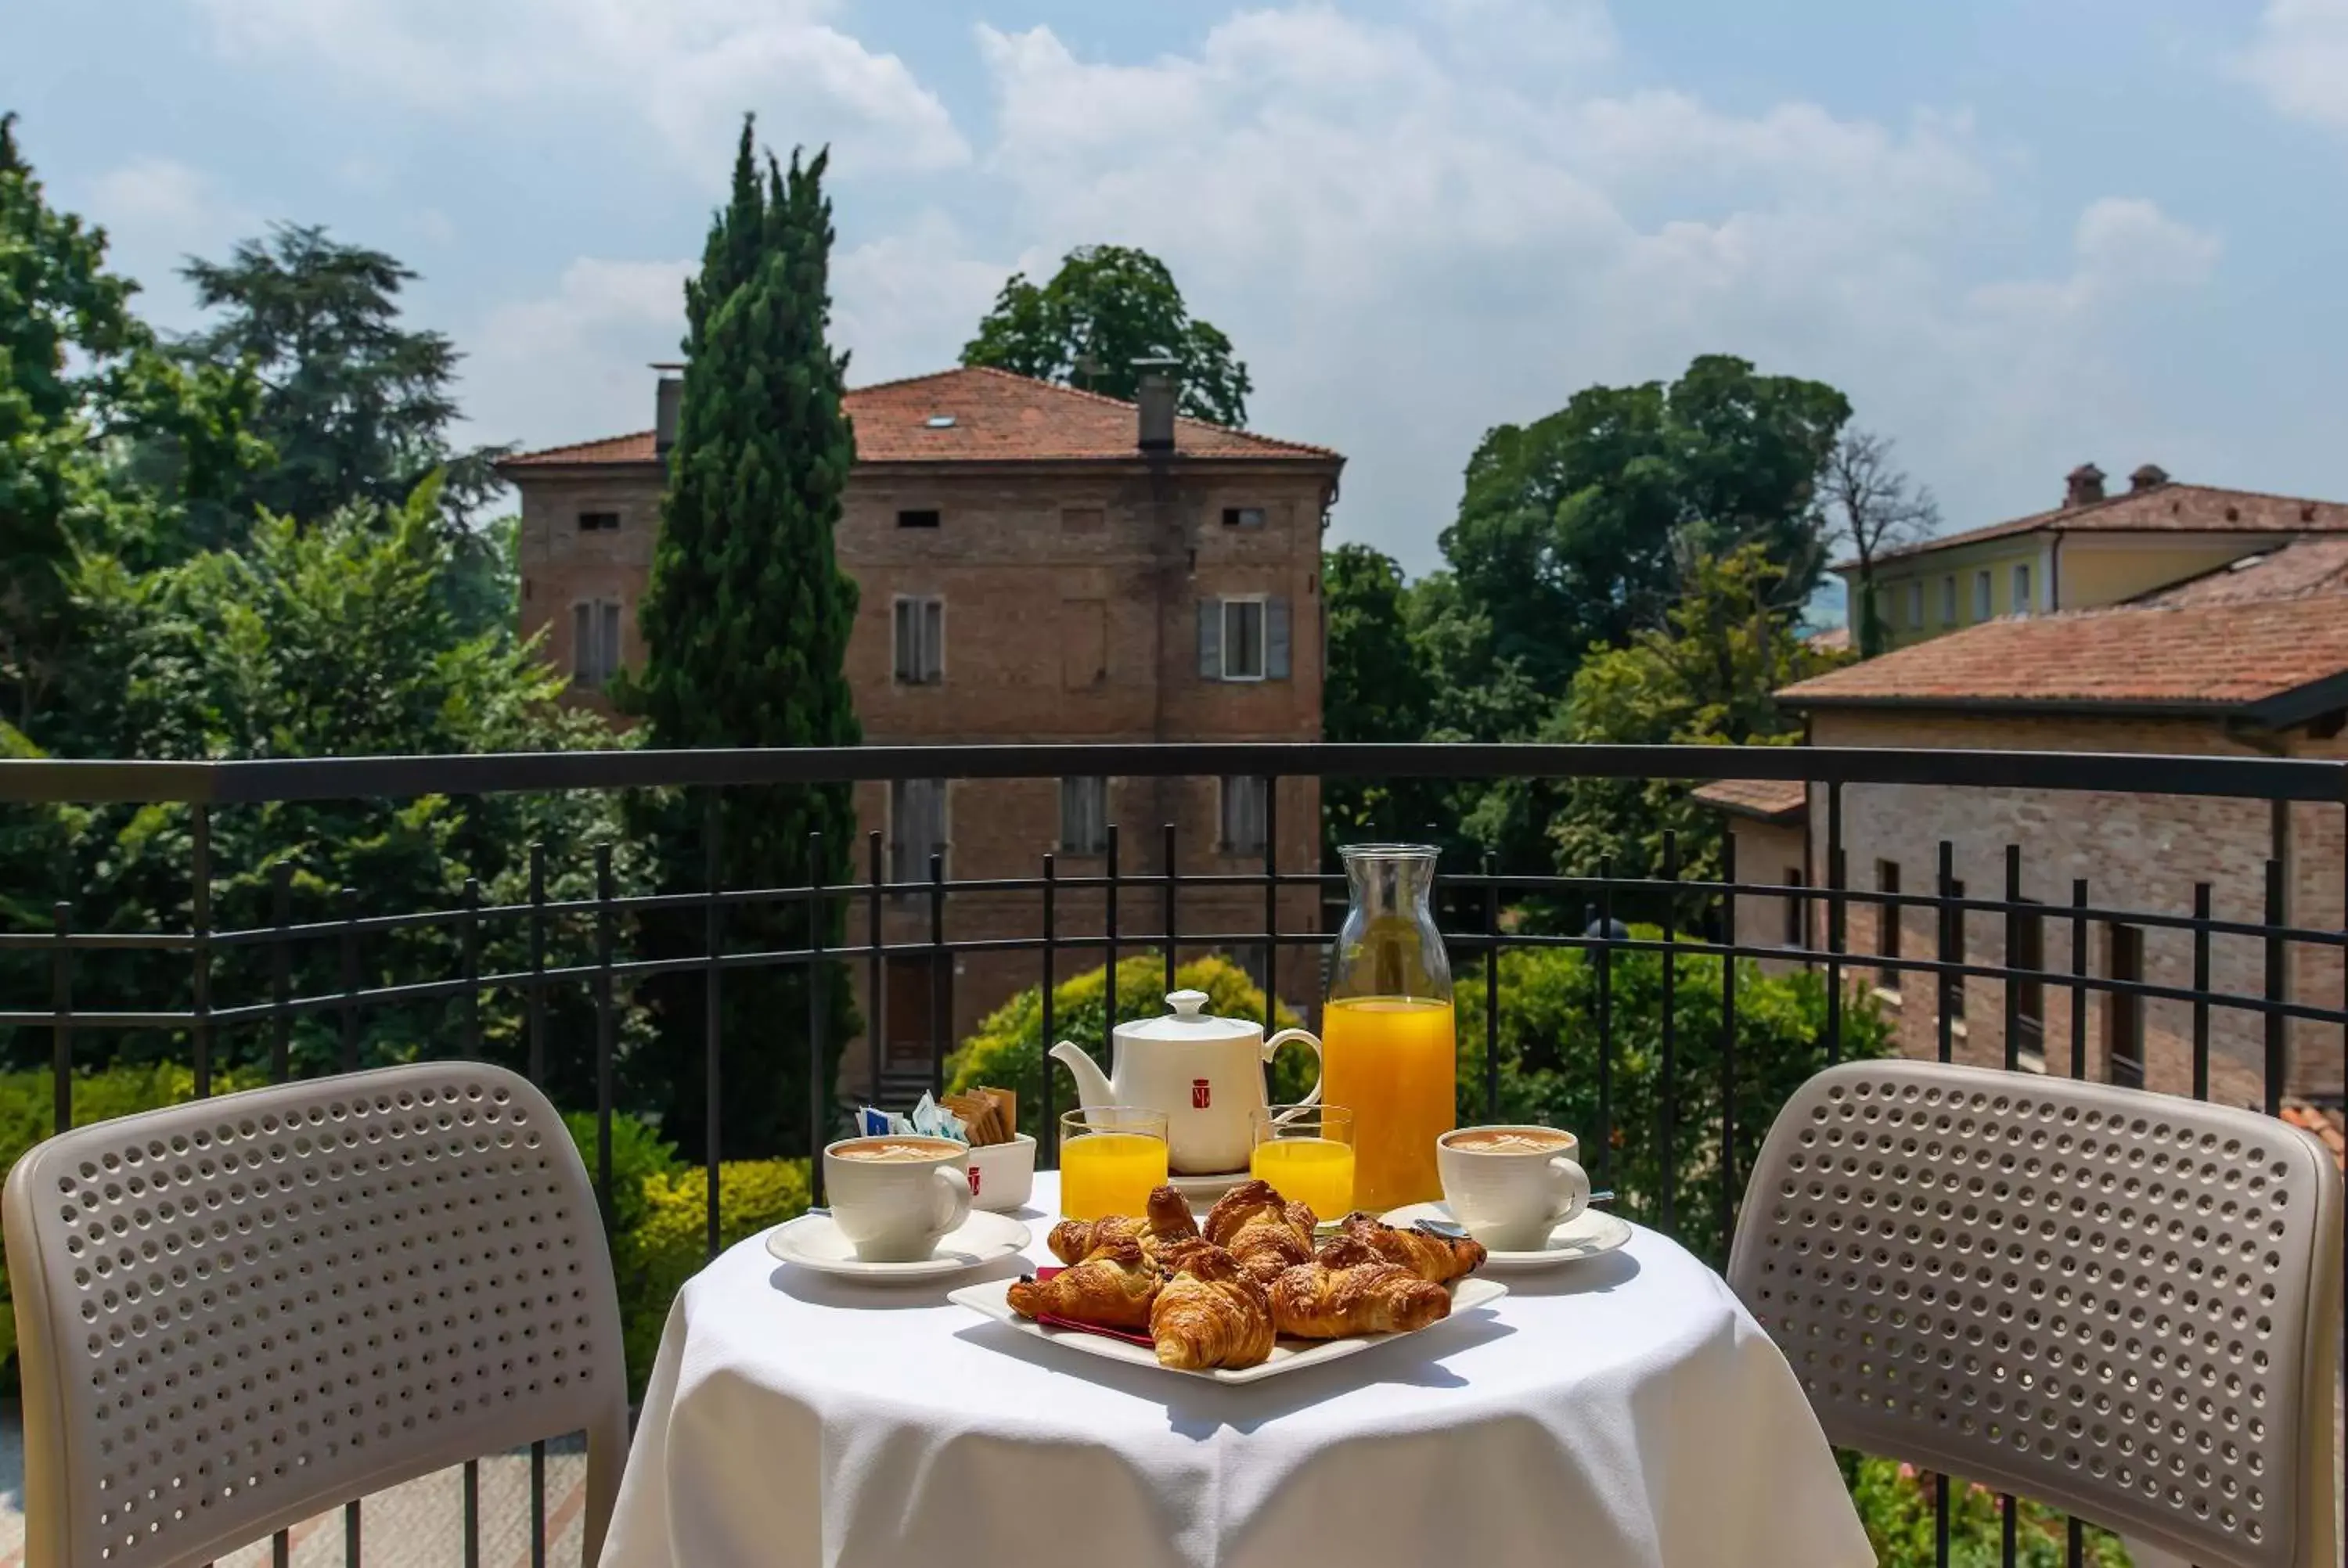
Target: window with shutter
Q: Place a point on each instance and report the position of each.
(610, 616)
(1210, 639)
(582, 644)
(595, 642)
(1275, 640)
(917, 827)
(1243, 639)
(1084, 815)
(918, 638)
(1243, 817)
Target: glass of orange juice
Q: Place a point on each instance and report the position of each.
(1110, 1158)
(1307, 1153)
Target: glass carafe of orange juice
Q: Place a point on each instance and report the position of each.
(1387, 1050)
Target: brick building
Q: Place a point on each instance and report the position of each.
(1035, 564)
(2249, 661)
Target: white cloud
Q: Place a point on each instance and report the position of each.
(2299, 59)
(571, 366)
(687, 67)
(1412, 238)
(157, 212)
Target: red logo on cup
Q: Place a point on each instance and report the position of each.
(974, 1180)
(1199, 1094)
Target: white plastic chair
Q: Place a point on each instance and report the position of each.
(234, 1314)
(2122, 1303)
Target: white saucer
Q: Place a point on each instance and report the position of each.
(1586, 1234)
(1200, 1192)
(813, 1241)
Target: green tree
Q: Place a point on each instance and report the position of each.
(1377, 688)
(1579, 528)
(1108, 306)
(81, 378)
(745, 626)
(315, 641)
(1550, 1037)
(1707, 677)
(356, 407)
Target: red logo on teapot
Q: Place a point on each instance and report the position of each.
(1200, 1094)
(974, 1180)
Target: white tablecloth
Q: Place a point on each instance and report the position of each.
(1616, 1411)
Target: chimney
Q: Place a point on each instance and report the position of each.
(668, 398)
(1155, 400)
(2082, 485)
(2151, 476)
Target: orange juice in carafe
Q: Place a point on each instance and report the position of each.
(1387, 1045)
(1391, 1060)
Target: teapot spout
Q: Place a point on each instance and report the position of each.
(1093, 1086)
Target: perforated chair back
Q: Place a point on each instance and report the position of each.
(2126, 1304)
(236, 1313)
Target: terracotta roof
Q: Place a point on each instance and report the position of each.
(2327, 1124)
(997, 417)
(1833, 640)
(2161, 508)
(2301, 567)
(1771, 800)
(2259, 657)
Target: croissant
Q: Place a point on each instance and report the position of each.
(1113, 1288)
(1349, 1290)
(1211, 1312)
(1434, 1257)
(1167, 1219)
(1264, 1230)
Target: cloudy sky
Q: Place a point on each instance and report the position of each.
(2019, 233)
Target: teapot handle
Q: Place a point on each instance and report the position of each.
(1305, 1037)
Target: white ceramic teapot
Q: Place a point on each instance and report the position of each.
(1205, 1072)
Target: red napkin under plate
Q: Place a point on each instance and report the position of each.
(1056, 1321)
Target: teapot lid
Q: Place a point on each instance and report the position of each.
(1189, 1020)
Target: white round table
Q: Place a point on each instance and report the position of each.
(1614, 1411)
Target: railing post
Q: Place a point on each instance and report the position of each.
(1492, 992)
(940, 974)
(2012, 939)
(1271, 904)
(199, 824)
(1835, 914)
(713, 1024)
(350, 1009)
(1047, 1128)
(2078, 979)
(2277, 1031)
(606, 1028)
(281, 972)
(1728, 1192)
(61, 1006)
(1606, 1021)
(1950, 924)
(1173, 926)
(1109, 868)
(537, 1009)
(2201, 905)
(876, 966)
(1667, 1112)
(816, 1031)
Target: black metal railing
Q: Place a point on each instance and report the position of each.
(560, 967)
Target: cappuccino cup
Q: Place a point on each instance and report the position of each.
(1510, 1187)
(894, 1194)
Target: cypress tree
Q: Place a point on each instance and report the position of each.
(746, 625)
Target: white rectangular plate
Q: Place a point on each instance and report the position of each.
(988, 1300)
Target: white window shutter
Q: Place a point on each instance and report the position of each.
(1275, 640)
(1210, 638)
(934, 639)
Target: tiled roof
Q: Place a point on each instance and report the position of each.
(2161, 508)
(996, 417)
(1771, 800)
(2327, 1124)
(2200, 657)
(1833, 640)
(2304, 566)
